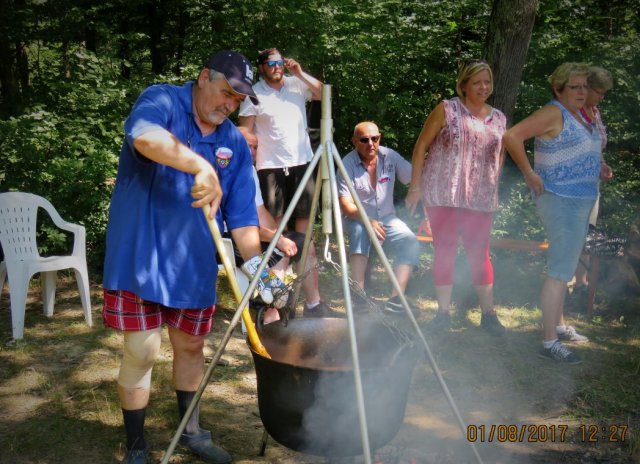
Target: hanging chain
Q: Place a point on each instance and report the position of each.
(367, 303)
(373, 308)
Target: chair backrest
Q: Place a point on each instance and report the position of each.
(18, 216)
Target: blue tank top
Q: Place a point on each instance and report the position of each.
(569, 164)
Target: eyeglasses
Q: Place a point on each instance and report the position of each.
(274, 63)
(373, 139)
(578, 87)
(598, 91)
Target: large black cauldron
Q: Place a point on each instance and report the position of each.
(306, 391)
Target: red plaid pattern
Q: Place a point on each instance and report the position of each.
(123, 310)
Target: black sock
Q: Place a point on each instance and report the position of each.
(134, 427)
(184, 400)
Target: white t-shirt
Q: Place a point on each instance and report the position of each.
(259, 200)
(281, 124)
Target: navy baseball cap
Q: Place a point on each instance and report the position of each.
(236, 69)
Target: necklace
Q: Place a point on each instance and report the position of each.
(583, 121)
(586, 117)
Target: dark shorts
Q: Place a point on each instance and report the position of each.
(277, 255)
(123, 310)
(278, 189)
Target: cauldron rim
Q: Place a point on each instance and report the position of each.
(389, 362)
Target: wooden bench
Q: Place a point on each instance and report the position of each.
(424, 235)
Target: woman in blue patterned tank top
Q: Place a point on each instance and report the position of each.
(567, 159)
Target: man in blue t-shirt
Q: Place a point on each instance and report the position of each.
(180, 153)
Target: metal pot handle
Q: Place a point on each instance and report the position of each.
(399, 350)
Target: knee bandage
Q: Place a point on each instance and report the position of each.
(140, 352)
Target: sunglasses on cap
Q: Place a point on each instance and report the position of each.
(274, 63)
(374, 139)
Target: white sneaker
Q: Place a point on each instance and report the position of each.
(570, 335)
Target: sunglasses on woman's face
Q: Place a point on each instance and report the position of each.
(274, 63)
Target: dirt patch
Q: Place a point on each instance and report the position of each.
(58, 402)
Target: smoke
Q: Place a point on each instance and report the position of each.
(321, 387)
(497, 384)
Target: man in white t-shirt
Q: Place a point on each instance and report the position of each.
(279, 122)
(289, 246)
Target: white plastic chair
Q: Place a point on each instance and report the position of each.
(18, 216)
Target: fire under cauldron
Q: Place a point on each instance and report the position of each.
(306, 391)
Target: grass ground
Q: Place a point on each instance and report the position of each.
(58, 401)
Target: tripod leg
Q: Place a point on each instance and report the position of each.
(307, 238)
(396, 286)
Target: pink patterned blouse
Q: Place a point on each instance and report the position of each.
(597, 120)
(463, 165)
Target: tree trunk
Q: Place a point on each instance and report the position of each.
(508, 39)
(14, 63)
(91, 38)
(66, 64)
(9, 85)
(156, 28)
(216, 20)
(182, 37)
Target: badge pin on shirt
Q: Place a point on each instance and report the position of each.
(223, 157)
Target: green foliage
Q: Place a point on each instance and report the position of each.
(65, 148)
(390, 61)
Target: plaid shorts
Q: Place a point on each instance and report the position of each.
(123, 310)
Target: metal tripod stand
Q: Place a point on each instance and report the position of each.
(328, 157)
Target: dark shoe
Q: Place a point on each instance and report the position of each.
(570, 335)
(578, 296)
(136, 456)
(577, 299)
(440, 323)
(491, 324)
(202, 445)
(579, 292)
(559, 352)
(394, 307)
(321, 310)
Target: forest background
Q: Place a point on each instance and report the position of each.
(70, 71)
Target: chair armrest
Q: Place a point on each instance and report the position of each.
(79, 237)
(78, 230)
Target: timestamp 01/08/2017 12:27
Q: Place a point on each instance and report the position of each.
(542, 433)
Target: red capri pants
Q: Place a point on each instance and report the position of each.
(447, 224)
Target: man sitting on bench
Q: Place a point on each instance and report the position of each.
(373, 171)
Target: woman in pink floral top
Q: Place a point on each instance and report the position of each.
(458, 186)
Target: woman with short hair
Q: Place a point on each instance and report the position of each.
(567, 161)
(600, 82)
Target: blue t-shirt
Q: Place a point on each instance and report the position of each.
(158, 246)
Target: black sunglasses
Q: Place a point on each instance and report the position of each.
(374, 139)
